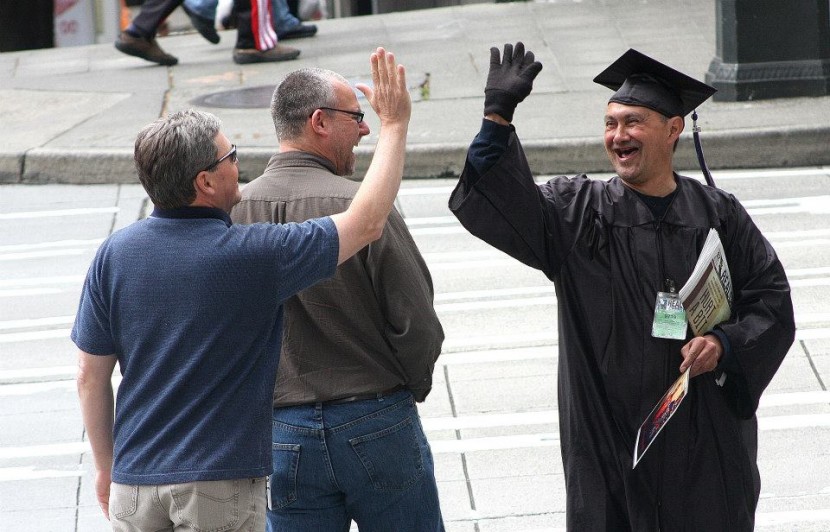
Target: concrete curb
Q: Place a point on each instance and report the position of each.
(749, 148)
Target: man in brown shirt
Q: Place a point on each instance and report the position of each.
(358, 349)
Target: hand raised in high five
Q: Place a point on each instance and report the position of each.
(510, 79)
(363, 221)
(390, 95)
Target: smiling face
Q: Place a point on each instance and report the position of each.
(640, 144)
(347, 132)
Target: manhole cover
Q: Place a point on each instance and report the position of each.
(249, 98)
(253, 97)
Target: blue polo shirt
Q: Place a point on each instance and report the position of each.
(192, 307)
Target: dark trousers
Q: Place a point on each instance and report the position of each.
(244, 31)
(26, 25)
(152, 14)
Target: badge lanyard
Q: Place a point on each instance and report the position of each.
(669, 315)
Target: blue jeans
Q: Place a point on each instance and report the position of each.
(367, 461)
(283, 19)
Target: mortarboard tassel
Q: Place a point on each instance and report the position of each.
(700, 160)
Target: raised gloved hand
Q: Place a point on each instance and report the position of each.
(510, 79)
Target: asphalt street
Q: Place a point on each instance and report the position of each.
(491, 417)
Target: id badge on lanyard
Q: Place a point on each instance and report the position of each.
(669, 316)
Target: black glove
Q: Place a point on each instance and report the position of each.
(510, 80)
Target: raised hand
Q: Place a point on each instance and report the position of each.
(390, 95)
(509, 80)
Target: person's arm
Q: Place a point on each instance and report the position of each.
(97, 407)
(363, 222)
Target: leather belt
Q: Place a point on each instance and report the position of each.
(365, 396)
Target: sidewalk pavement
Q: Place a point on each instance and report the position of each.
(70, 115)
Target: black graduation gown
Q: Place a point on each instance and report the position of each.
(600, 245)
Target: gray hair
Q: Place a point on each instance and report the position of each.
(171, 151)
(298, 96)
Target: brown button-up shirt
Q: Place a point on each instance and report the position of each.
(369, 328)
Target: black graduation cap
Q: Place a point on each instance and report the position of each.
(640, 80)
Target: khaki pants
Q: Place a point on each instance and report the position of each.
(226, 505)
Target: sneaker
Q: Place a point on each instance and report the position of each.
(242, 56)
(147, 49)
(300, 31)
(203, 25)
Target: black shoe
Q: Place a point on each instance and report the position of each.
(147, 49)
(299, 31)
(230, 22)
(242, 56)
(203, 25)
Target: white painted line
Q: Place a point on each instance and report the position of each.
(797, 421)
(32, 388)
(20, 292)
(426, 191)
(448, 230)
(9, 474)
(811, 317)
(498, 355)
(794, 398)
(496, 341)
(490, 420)
(769, 172)
(802, 283)
(794, 516)
(39, 451)
(42, 254)
(449, 256)
(812, 334)
(807, 272)
(773, 236)
(820, 202)
(505, 262)
(95, 242)
(495, 443)
(495, 304)
(57, 213)
(34, 335)
(432, 220)
(36, 322)
(40, 281)
(59, 372)
(813, 243)
(496, 292)
(38, 286)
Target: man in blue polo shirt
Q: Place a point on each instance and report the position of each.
(190, 306)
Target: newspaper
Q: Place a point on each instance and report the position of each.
(707, 295)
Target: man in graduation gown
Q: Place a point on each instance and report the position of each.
(609, 248)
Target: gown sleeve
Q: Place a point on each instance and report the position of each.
(497, 200)
(761, 328)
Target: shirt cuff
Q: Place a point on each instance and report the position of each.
(489, 146)
(728, 362)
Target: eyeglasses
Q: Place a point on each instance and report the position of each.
(358, 116)
(230, 155)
